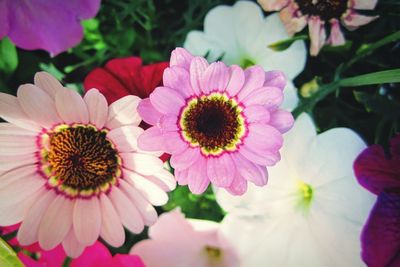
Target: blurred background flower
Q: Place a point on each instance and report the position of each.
(125, 76)
(179, 242)
(53, 26)
(379, 173)
(296, 14)
(312, 211)
(240, 34)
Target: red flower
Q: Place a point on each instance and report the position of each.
(125, 76)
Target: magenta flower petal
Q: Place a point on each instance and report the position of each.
(50, 25)
(375, 172)
(381, 235)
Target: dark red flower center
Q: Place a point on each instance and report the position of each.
(325, 9)
(212, 122)
(81, 157)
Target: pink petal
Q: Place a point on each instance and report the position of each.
(364, 4)
(87, 220)
(221, 170)
(173, 143)
(47, 83)
(181, 176)
(354, 20)
(25, 183)
(123, 112)
(317, 35)
(292, 22)
(10, 129)
(28, 231)
(11, 111)
(260, 157)
(238, 186)
(336, 37)
(185, 159)
(148, 113)
(198, 180)
(15, 175)
(197, 68)
(112, 230)
(71, 107)
(275, 78)
(180, 57)
(9, 162)
(154, 194)
(147, 211)
(38, 105)
(256, 113)
(97, 107)
(125, 138)
(56, 222)
(250, 171)
(93, 256)
(163, 179)
(236, 81)
(270, 97)
(130, 216)
(17, 144)
(215, 78)
(166, 100)
(123, 260)
(281, 120)
(254, 79)
(16, 212)
(71, 245)
(264, 137)
(273, 5)
(141, 163)
(178, 79)
(151, 140)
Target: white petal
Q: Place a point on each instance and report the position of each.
(71, 107)
(123, 112)
(11, 111)
(38, 105)
(97, 107)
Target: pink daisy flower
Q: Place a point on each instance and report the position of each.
(296, 14)
(220, 124)
(180, 242)
(70, 168)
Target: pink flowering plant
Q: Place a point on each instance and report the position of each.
(199, 133)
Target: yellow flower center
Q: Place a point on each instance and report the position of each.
(305, 195)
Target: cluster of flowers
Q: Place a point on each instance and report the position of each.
(73, 168)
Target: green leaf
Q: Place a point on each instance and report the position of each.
(368, 49)
(285, 44)
(201, 206)
(386, 76)
(378, 104)
(8, 257)
(50, 68)
(8, 56)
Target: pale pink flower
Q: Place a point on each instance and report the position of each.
(70, 168)
(179, 242)
(219, 123)
(296, 14)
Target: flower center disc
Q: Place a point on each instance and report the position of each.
(213, 122)
(81, 158)
(325, 9)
